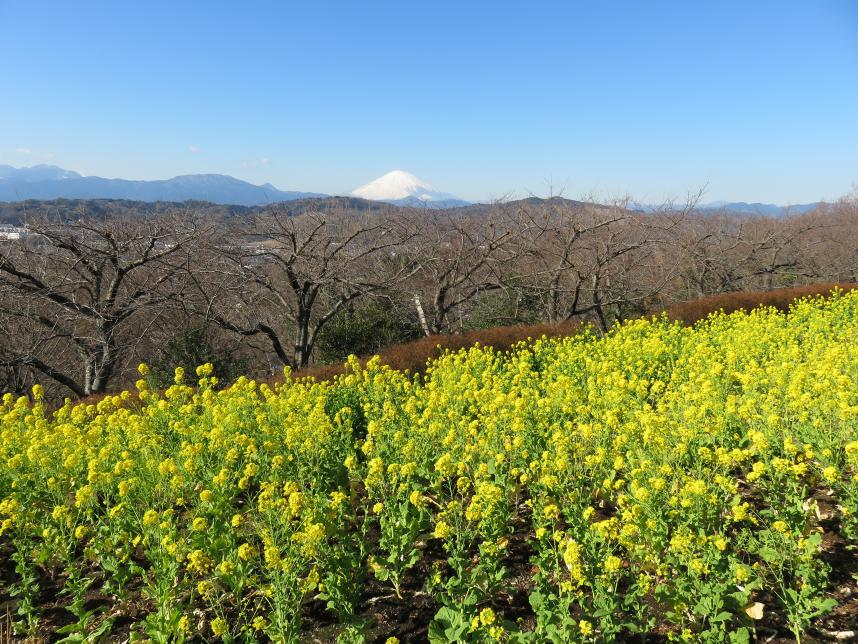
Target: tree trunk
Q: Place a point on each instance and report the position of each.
(421, 315)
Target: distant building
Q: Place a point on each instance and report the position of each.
(13, 233)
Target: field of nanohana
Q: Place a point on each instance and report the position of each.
(659, 483)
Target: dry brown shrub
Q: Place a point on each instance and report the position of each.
(781, 299)
(413, 356)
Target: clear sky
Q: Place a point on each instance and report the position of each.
(757, 99)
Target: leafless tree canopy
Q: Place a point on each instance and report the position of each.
(72, 292)
(82, 300)
(283, 277)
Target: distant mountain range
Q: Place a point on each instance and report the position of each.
(47, 182)
(766, 209)
(50, 182)
(743, 208)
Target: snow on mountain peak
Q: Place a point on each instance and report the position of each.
(397, 184)
(402, 188)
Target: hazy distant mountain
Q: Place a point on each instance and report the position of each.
(767, 209)
(36, 173)
(404, 189)
(50, 182)
(743, 208)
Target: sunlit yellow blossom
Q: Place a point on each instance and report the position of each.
(219, 626)
(442, 530)
(487, 617)
(551, 512)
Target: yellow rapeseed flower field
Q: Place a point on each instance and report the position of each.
(685, 481)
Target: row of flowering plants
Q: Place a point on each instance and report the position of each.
(661, 480)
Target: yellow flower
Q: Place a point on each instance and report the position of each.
(60, 512)
(198, 561)
(150, 518)
(272, 556)
(205, 588)
(83, 496)
(572, 559)
(585, 627)
(741, 574)
(199, 524)
(219, 626)
(613, 564)
(830, 474)
(205, 370)
(443, 530)
(487, 617)
(740, 512)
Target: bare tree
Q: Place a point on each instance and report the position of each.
(586, 259)
(459, 256)
(728, 252)
(833, 240)
(80, 286)
(283, 278)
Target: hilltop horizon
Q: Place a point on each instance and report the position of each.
(47, 181)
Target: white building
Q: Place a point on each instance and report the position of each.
(11, 233)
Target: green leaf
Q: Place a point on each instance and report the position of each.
(769, 555)
(723, 616)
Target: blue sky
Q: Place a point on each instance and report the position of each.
(758, 100)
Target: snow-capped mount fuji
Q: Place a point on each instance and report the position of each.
(404, 189)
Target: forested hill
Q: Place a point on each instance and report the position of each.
(18, 212)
